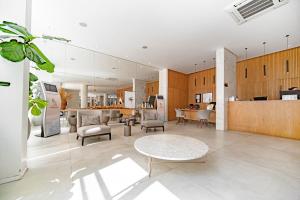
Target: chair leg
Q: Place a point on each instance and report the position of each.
(82, 141)
(146, 129)
(77, 137)
(141, 127)
(163, 129)
(109, 136)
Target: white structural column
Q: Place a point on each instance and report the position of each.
(163, 88)
(226, 84)
(105, 99)
(14, 101)
(138, 86)
(83, 96)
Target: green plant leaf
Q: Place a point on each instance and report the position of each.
(12, 50)
(20, 30)
(33, 55)
(41, 103)
(48, 37)
(35, 110)
(35, 105)
(6, 36)
(47, 65)
(5, 29)
(30, 104)
(33, 77)
(4, 84)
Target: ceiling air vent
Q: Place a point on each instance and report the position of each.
(245, 10)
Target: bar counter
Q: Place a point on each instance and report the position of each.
(272, 117)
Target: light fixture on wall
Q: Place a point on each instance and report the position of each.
(264, 65)
(287, 61)
(204, 65)
(195, 75)
(287, 41)
(245, 64)
(214, 77)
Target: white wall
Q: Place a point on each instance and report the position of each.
(14, 101)
(163, 88)
(138, 86)
(225, 73)
(83, 96)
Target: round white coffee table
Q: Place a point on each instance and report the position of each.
(170, 147)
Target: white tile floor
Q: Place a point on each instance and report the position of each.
(239, 166)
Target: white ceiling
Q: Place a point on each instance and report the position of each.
(179, 33)
(75, 66)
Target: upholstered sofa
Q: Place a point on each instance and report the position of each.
(90, 123)
(149, 119)
(108, 116)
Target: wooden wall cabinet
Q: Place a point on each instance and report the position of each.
(177, 92)
(282, 71)
(152, 88)
(205, 82)
(121, 92)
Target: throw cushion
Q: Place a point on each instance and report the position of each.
(87, 120)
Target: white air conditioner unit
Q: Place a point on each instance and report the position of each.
(244, 10)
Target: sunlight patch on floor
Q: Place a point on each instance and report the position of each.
(156, 191)
(122, 175)
(77, 171)
(92, 187)
(87, 188)
(117, 156)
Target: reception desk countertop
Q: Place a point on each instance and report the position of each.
(273, 117)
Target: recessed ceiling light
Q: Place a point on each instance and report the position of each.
(72, 59)
(144, 47)
(83, 24)
(111, 79)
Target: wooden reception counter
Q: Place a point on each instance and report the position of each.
(273, 117)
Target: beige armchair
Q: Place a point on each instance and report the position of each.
(149, 119)
(89, 124)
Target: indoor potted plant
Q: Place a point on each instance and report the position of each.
(16, 44)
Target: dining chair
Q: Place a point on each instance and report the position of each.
(203, 117)
(179, 116)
